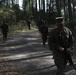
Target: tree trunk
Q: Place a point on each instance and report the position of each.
(47, 5)
(29, 5)
(39, 5)
(36, 9)
(64, 5)
(70, 15)
(12, 2)
(32, 7)
(74, 16)
(58, 7)
(44, 8)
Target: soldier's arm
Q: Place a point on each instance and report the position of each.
(51, 42)
(71, 40)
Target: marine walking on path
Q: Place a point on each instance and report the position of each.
(61, 43)
(4, 28)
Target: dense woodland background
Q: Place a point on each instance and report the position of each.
(48, 10)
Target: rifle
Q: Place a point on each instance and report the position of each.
(66, 53)
(67, 56)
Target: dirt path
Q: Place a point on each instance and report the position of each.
(24, 54)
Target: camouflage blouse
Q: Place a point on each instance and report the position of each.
(60, 38)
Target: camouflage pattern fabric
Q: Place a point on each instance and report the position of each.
(60, 38)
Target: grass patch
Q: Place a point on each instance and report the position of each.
(14, 29)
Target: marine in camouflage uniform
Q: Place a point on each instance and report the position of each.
(29, 24)
(40, 23)
(60, 38)
(4, 28)
(44, 33)
(43, 29)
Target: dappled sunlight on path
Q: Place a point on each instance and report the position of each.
(24, 54)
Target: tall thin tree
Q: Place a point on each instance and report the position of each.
(44, 8)
(70, 15)
(58, 7)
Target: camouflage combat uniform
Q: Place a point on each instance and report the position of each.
(56, 39)
(4, 28)
(44, 32)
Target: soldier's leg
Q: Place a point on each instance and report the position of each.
(43, 39)
(68, 56)
(59, 62)
(60, 69)
(29, 26)
(5, 36)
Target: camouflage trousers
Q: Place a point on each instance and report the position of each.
(60, 63)
(44, 38)
(4, 36)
